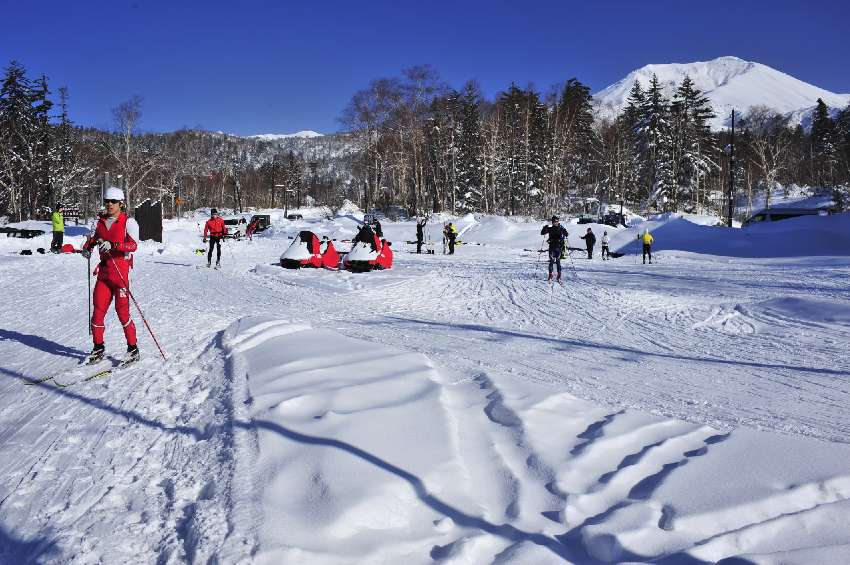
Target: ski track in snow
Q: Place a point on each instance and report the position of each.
(639, 371)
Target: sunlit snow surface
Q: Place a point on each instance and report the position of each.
(453, 408)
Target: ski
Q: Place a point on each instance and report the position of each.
(101, 374)
(78, 367)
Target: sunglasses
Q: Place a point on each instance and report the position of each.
(110, 201)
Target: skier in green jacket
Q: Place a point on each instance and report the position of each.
(58, 220)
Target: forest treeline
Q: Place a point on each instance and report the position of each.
(414, 142)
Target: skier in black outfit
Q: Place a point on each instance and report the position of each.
(450, 236)
(590, 241)
(557, 242)
(376, 225)
(420, 234)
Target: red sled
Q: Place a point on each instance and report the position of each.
(68, 248)
(308, 251)
(368, 252)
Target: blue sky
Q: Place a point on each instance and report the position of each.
(275, 67)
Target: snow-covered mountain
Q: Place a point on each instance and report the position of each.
(729, 82)
(306, 134)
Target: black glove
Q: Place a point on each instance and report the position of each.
(85, 252)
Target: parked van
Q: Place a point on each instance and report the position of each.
(776, 214)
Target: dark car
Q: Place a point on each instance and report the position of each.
(264, 222)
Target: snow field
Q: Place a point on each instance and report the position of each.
(454, 409)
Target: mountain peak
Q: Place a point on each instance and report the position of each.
(730, 83)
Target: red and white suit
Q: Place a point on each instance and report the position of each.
(113, 273)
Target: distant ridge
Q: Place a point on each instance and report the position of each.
(729, 82)
(275, 136)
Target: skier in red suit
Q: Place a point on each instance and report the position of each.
(216, 230)
(115, 237)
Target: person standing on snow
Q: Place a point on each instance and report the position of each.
(376, 225)
(420, 234)
(216, 230)
(450, 233)
(589, 240)
(115, 237)
(57, 218)
(252, 227)
(647, 245)
(557, 241)
(606, 252)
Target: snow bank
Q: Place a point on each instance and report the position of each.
(803, 236)
(350, 439)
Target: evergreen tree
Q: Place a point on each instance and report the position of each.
(523, 118)
(655, 144)
(470, 159)
(582, 141)
(19, 139)
(41, 196)
(633, 111)
(625, 164)
(824, 150)
(694, 146)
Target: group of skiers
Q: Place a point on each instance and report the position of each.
(558, 245)
(116, 237)
(449, 236)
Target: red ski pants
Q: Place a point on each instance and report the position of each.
(104, 291)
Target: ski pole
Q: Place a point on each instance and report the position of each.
(127, 286)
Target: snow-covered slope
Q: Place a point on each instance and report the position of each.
(453, 409)
(275, 136)
(729, 82)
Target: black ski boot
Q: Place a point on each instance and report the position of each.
(132, 355)
(96, 354)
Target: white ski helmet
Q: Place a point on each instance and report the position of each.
(113, 193)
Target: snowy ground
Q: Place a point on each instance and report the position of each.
(456, 409)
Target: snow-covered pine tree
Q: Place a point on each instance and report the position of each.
(19, 137)
(576, 134)
(625, 168)
(634, 107)
(41, 196)
(441, 138)
(470, 152)
(824, 150)
(694, 148)
(841, 191)
(655, 144)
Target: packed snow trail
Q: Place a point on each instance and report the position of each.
(577, 416)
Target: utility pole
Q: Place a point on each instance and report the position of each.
(732, 173)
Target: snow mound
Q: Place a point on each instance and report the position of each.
(349, 448)
(795, 237)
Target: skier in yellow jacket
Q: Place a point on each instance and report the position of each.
(647, 239)
(57, 218)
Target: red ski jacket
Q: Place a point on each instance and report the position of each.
(123, 244)
(215, 227)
